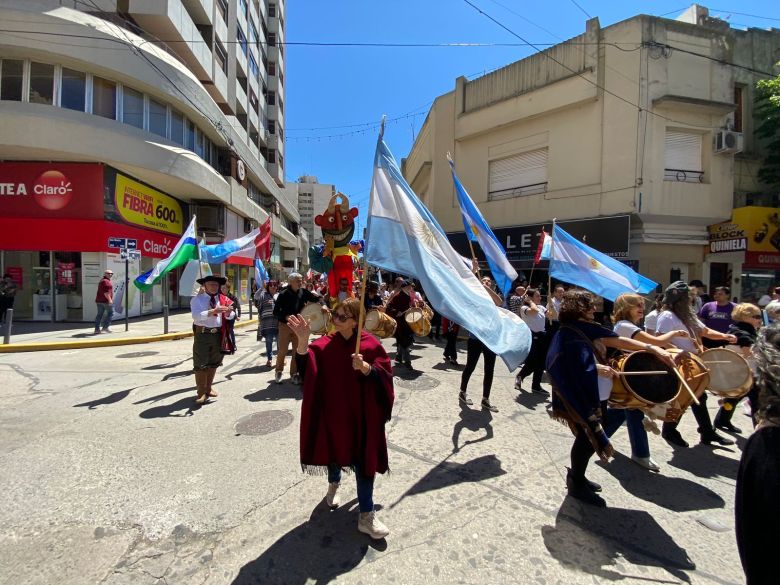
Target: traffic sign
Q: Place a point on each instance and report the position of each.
(115, 242)
(132, 244)
(134, 254)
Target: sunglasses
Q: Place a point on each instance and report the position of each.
(341, 317)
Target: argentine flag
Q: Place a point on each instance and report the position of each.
(239, 251)
(404, 237)
(574, 262)
(477, 230)
(185, 250)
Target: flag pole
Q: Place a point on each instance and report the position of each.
(549, 269)
(533, 266)
(362, 315)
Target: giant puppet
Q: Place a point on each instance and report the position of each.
(336, 257)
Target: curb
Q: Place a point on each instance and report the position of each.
(86, 344)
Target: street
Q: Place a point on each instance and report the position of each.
(111, 475)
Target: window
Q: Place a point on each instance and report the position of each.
(221, 54)
(41, 83)
(271, 157)
(253, 68)
(253, 100)
(271, 39)
(271, 68)
(271, 98)
(222, 8)
(158, 118)
(189, 136)
(253, 38)
(738, 91)
(517, 175)
(682, 157)
(272, 10)
(199, 143)
(177, 127)
(271, 127)
(132, 107)
(241, 37)
(104, 98)
(243, 7)
(11, 82)
(74, 90)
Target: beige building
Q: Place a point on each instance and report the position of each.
(648, 122)
(143, 113)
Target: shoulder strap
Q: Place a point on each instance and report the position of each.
(599, 357)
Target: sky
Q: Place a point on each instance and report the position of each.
(335, 96)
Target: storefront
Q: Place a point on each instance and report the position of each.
(56, 220)
(744, 253)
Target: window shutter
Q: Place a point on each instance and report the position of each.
(683, 151)
(509, 176)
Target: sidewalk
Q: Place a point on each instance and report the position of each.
(43, 336)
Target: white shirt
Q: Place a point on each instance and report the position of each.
(625, 328)
(556, 307)
(200, 306)
(605, 388)
(651, 321)
(668, 321)
(536, 321)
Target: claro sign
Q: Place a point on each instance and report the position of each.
(54, 190)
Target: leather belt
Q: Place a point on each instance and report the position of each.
(200, 329)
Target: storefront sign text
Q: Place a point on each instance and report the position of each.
(143, 206)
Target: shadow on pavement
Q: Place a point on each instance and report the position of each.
(165, 395)
(593, 540)
(531, 400)
(446, 366)
(110, 399)
(673, 493)
(276, 391)
(704, 461)
(173, 375)
(473, 420)
(449, 473)
(249, 371)
(317, 551)
(166, 366)
(187, 405)
(405, 373)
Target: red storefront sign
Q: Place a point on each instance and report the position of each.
(79, 235)
(65, 273)
(762, 260)
(51, 190)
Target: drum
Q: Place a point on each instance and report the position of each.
(428, 312)
(730, 375)
(418, 322)
(319, 322)
(642, 391)
(380, 324)
(696, 375)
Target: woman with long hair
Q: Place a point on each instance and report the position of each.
(535, 316)
(582, 382)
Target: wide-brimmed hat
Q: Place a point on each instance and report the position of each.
(212, 278)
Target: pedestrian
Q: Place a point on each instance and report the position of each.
(403, 300)
(651, 318)
(553, 308)
(756, 506)
(773, 294)
(534, 315)
(582, 382)
(291, 301)
(451, 330)
(373, 300)
(475, 348)
(104, 299)
(716, 314)
(8, 290)
(516, 300)
(347, 399)
(210, 311)
(268, 328)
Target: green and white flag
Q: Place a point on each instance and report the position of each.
(185, 250)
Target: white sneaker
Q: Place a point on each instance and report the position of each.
(332, 498)
(369, 524)
(278, 377)
(646, 462)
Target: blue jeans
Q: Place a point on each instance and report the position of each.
(637, 435)
(365, 486)
(104, 313)
(270, 337)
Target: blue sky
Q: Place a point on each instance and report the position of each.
(336, 95)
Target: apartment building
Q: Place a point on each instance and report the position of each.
(313, 198)
(636, 137)
(123, 119)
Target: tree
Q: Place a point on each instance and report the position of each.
(767, 113)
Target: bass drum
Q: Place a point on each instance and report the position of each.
(696, 375)
(319, 322)
(418, 322)
(642, 391)
(380, 324)
(730, 375)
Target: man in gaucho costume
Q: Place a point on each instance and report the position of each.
(347, 399)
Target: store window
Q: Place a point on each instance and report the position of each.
(104, 98)
(132, 107)
(11, 80)
(74, 90)
(177, 127)
(41, 83)
(158, 118)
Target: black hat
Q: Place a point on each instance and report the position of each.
(406, 283)
(698, 283)
(212, 278)
(676, 291)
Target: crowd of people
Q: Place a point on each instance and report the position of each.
(347, 376)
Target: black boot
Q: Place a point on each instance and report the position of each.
(723, 418)
(710, 436)
(581, 489)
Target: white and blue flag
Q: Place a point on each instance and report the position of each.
(261, 274)
(477, 230)
(576, 263)
(404, 237)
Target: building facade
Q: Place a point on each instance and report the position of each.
(123, 120)
(643, 128)
(313, 198)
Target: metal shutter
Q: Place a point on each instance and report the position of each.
(683, 151)
(508, 175)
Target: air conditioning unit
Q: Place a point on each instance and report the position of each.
(728, 142)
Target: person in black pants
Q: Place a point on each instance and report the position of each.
(474, 349)
(534, 315)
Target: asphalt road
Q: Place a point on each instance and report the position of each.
(108, 474)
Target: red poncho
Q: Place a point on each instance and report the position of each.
(344, 412)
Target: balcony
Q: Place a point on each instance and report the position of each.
(200, 11)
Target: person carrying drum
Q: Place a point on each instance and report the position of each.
(677, 314)
(347, 399)
(582, 383)
(627, 314)
(404, 300)
(747, 320)
(290, 302)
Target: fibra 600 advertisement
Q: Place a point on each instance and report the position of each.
(143, 206)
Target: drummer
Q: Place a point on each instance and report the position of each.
(678, 314)
(373, 300)
(627, 314)
(404, 300)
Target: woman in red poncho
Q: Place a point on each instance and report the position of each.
(347, 399)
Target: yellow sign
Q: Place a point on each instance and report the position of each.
(145, 207)
(761, 226)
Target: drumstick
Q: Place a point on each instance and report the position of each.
(648, 373)
(684, 383)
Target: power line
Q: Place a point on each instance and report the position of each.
(745, 14)
(581, 8)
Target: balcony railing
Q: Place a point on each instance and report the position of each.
(534, 189)
(683, 176)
